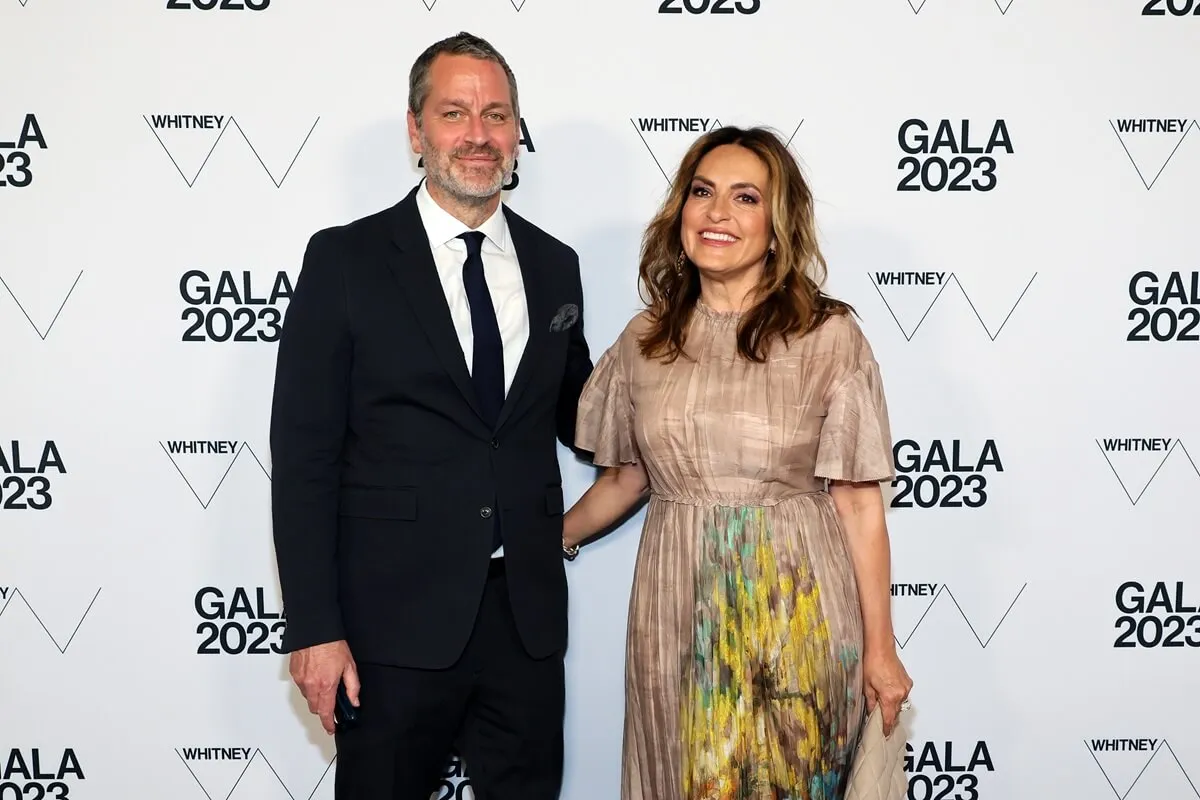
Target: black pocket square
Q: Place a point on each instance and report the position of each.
(564, 318)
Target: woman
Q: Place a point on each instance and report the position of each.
(760, 624)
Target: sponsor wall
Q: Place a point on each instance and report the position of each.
(1006, 195)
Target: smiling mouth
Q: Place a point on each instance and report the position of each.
(478, 157)
(717, 238)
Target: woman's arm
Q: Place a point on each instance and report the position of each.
(885, 681)
(860, 506)
(616, 491)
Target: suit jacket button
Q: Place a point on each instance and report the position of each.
(485, 512)
(495, 445)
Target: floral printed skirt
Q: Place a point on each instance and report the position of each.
(743, 675)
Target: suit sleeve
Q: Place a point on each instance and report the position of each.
(308, 425)
(578, 370)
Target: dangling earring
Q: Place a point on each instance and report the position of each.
(679, 264)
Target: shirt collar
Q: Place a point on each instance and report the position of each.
(443, 228)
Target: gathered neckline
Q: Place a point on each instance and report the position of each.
(711, 312)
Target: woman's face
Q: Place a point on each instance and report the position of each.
(726, 217)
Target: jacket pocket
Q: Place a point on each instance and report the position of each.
(378, 503)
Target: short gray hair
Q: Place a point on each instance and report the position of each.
(461, 44)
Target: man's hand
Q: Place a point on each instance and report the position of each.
(317, 671)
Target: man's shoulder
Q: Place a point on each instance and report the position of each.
(358, 232)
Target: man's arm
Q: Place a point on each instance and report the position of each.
(308, 422)
(578, 369)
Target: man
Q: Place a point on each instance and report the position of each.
(431, 354)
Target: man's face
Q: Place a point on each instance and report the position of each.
(469, 130)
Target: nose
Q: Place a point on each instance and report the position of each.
(718, 209)
(476, 132)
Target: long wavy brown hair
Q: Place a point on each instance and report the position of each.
(788, 299)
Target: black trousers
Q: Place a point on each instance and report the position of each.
(501, 710)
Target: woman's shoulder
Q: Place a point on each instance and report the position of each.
(638, 324)
(841, 329)
(839, 336)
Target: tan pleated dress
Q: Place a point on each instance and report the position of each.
(743, 677)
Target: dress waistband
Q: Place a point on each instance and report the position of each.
(736, 501)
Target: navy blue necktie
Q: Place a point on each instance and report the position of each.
(487, 360)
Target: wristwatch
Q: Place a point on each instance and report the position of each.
(569, 553)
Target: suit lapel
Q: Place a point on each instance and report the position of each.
(416, 272)
(529, 256)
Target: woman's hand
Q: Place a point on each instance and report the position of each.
(885, 682)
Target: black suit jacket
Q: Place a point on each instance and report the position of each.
(385, 478)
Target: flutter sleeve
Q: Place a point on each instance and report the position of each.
(605, 422)
(856, 440)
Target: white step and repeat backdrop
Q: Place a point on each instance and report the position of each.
(1007, 196)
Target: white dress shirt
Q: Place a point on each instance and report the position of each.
(501, 270)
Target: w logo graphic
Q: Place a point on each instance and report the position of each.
(1150, 144)
(14, 597)
(1137, 462)
(37, 329)
(190, 140)
(666, 139)
(911, 296)
(204, 465)
(1142, 769)
(245, 773)
(1001, 5)
(944, 600)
